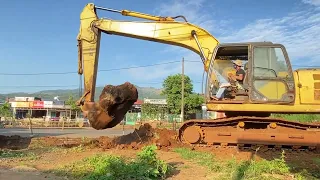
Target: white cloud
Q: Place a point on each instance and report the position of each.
(312, 2)
(298, 32)
(195, 12)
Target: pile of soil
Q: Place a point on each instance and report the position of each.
(144, 135)
(140, 137)
(60, 142)
(114, 101)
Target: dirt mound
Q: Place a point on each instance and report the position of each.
(115, 101)
(61, 142)
(144, 135)
(140, 137)
(14, 142)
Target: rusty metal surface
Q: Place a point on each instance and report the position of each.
(316, 76)
(192, 134)
(316, 94)
(251, 131)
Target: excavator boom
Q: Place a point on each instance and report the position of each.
(159, 29)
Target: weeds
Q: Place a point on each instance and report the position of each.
(304, 118)
(317, 161)
(262, 169)
(10, 154)
(203, 159)
(146, 165)
(251, 169)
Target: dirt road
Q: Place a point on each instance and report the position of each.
(72, 133)
(25, 173)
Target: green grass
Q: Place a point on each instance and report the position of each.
(203, 159)
(145, 165)
(34, 153)
(317, 161)
(251, 169)
(11, 154)
(304, 118)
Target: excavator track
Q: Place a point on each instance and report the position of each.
(252, 132)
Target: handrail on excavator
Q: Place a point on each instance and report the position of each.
(141, 15)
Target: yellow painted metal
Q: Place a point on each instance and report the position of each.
(273, 125)
(88, 47)
(309, 86)
(271, 89)
(273, 108)
(172, 33)
(241, 124)
(162, 30)
(145, 16)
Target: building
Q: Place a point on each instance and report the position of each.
(38, 108)
(160, 102)
(136, 107)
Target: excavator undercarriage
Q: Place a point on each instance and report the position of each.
(248, 132)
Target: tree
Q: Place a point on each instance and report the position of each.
(193, 103)
(153, 110)
(172, 90)
(5, 110)
(72, 102)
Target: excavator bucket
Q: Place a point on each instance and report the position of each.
(114, 103)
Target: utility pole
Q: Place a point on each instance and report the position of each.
(80, 85)
(182, 92)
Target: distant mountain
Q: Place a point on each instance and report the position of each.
(144, 92)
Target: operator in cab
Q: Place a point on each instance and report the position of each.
(240, 73)
(238, 77)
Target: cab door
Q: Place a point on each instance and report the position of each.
(271, 79)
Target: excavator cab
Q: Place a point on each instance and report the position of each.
(268, 80)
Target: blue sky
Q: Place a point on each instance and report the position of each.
(38, 37)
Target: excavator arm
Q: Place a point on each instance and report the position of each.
(159, 29)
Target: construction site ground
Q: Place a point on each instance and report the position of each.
(43, 157)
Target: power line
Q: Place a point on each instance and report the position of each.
(56, 86)
(297, 65)
(102, 70)
(117, 69)
(35, 86)
(171, 62)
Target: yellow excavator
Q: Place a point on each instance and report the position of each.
(270, 85)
